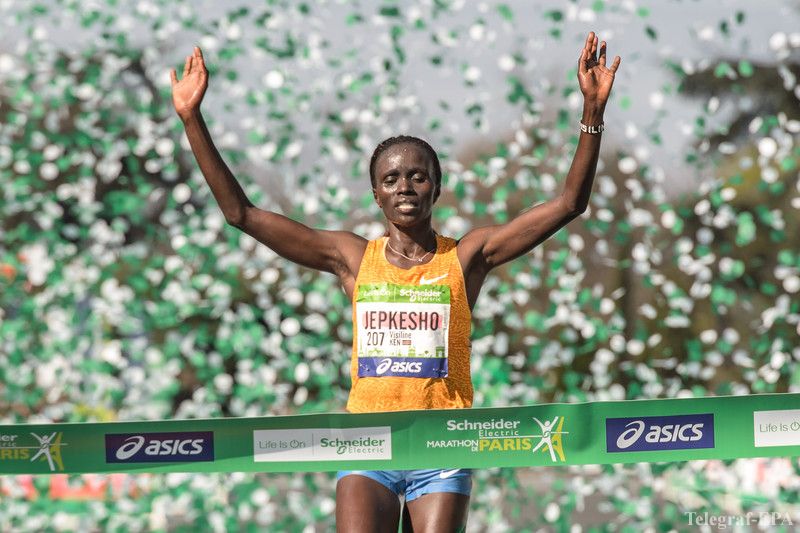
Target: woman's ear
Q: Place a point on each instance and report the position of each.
(377, 200)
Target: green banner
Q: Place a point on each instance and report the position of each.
(727, 427)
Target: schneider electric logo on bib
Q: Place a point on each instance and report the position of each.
(657, 433)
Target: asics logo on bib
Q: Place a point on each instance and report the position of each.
(383, 367)
(398, 367)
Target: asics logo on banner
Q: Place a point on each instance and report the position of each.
(131, 446)
(430, 281)
(660, 433)
(665, 433)
(160, 447)
(387, 365)
(630, 435)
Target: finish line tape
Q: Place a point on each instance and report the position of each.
(727, 427)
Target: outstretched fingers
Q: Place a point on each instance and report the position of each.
(602, 58)
(173, 76)
(582, 61)
(615, 64)
(199, 62)
(586, 53)
(589, 41)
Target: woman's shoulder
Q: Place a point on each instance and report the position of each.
(446, 244)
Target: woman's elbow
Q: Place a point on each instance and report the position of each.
(579, 209)
(237, 216)
(236, 219)
(574, 208)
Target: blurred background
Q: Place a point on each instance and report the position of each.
(125, 296)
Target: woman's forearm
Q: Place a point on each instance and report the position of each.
(578, 185)
(227, 191)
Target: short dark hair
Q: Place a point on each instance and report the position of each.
(403, 139)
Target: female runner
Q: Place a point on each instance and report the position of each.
(406, 355)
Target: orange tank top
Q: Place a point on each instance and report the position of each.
(411, 333)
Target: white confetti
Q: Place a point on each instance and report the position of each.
(767, 147)
(472, 74)
(627, 165)
(165, 146)
(273, 79)
(778, 41)
(52, 151)
(290, 327)
(552, 512)
(223, 383)
(293, 149)
(656, 100)
(477, 32)
(506, 63)
(770, 174)
(301, 372)
(706, 33)
(635, 347)
(181, 193)
(708, 336)
(48, 171)
(668, 219)
(7, 63)
(791, 284)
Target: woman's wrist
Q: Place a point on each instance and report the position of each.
(592, 114)
(189, 115)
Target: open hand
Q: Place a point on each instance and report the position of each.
(187, 94)
(594, 77)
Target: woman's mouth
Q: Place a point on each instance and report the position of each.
(406, 207)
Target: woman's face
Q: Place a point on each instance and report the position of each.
(404, 184)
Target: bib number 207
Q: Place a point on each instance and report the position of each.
(375, 338)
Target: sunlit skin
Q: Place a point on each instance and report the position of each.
(405, 191)
(405, 188)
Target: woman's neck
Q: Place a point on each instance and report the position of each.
(412, 242)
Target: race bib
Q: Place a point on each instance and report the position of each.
(402, 330)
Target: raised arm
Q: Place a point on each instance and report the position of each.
(331, 251)
(485, 248)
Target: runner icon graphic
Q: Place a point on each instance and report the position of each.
(550, 439)
(49, 449)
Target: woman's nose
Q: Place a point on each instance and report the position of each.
(405, 184)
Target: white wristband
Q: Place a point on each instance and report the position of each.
(593, 129)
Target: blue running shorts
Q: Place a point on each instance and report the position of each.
(416, 483)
